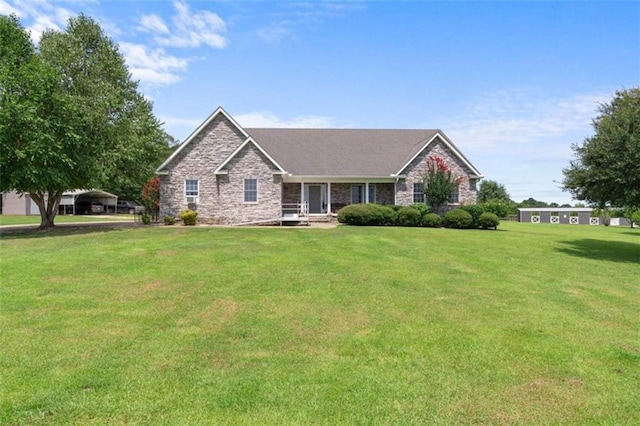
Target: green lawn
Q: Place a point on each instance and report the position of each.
(35, 220)
(178, 325)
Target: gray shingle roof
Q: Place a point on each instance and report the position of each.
(341, 152)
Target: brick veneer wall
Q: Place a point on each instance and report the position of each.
(418, 167)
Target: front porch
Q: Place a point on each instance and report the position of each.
(326, 198)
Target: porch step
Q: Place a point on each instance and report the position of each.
(322, 218)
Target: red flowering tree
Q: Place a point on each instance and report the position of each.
(151, 197)
(439, 183)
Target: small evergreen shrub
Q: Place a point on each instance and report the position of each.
(188, 217)
(145, 218)
(431, 220)
(169, 220)
(390, 216)
(458, 218)
(396, 207)
(408, 216)
(423, 208)
(488, 220)
(475, 211)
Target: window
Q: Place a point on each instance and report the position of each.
(455, 197)
(357, 194)
(251, 190)
(372, 193)
(418, 192)
(191, 190)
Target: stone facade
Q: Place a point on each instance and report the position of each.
(467, 191)
(220, 197)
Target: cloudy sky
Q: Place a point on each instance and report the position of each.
(513, 84)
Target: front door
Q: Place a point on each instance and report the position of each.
(316, 196)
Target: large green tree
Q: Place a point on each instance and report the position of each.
(71, 116)
(490, 190)
(606, 170)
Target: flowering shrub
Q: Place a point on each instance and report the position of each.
(151, 197)
(439, 183)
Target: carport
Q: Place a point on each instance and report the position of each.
(69, 199)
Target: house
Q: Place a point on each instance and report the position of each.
(237, 175)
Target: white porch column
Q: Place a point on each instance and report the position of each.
(328, 197)
(301, 195)
(366, 192)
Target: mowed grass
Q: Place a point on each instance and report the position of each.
(35, 220)
(177, 325)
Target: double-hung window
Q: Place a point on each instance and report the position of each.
(455, 197)
(418, 192)
(251, 190)
(191, 190)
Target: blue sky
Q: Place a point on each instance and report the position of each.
(513, 84)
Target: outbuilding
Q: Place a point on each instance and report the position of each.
(22, 204)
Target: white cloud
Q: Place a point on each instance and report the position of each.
(509, 118)
(153, 23)
(267, 119)
(523, 140)
(7, 9)
(188, 29)
(152, 66)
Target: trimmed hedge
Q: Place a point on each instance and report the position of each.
(423, 208)
(458, 218)
(367, 215)
(409, 216)
(466, 217)
(475, 210)
(431, 220)
(488, 220)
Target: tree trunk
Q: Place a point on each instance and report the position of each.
(48, 205)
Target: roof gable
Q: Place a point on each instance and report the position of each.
(219, 111)
(454, 149)
(220, 168)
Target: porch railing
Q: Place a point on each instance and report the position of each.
(295, 212)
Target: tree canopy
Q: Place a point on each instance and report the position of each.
(606, 170)
(71, 116)
(490, 190)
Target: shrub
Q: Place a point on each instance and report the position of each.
(499, 208)
(475, 211)
(188, 217)
(431, 220)
(488, 220)
(389, 214)
(169, 220)
(365, 215)
(396, 208)
(146, 219)
(423, 208)
(408, 216)
(458, 218)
